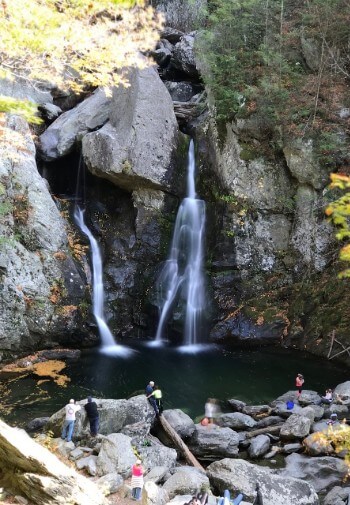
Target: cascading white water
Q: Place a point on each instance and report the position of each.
(181, 279)
(109, 345)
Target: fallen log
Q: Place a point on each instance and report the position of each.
(269, 429)
(179, 443)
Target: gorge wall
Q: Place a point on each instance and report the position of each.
(270, 254)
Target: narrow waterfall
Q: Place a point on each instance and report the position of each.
(109, 345)
(181, 281)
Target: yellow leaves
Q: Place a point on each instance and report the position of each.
(339, 213)
(52, 368)
(46, 39)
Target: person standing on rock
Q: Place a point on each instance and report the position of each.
(68, 425)
(150, 397)
(93, 416)
(299, 381)
(136, 480)
(158, 395)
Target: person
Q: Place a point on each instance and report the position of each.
(258, 500)
(299, 381)
(327, 398)
(136, 480)
(150, 397)
(158, 396)
(210, 409)
(333, 419)
(93, 416)
(68, 425)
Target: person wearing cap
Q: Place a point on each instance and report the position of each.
(136, 480)
(93, 416)
(68, 425)
(149, 394)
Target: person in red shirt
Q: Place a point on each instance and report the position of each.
(299, 381)
(136, 480)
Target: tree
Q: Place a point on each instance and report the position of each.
(72, 43)
(339, 213)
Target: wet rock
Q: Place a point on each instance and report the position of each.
(240, 476)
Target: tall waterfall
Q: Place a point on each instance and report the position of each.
(109, 345)
(181, 280)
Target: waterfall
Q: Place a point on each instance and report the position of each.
(181, 280)
(109, 345)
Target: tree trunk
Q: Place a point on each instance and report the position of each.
(179, 443)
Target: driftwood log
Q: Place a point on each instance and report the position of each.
(179, 443)
(269, 429)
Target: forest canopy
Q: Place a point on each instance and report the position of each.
(72, 44)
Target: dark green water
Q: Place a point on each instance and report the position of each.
(255, 376)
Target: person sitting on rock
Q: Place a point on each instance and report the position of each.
(327, 398)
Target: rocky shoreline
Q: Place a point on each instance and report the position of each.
(281, 449)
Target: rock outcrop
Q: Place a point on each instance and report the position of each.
(28, 469)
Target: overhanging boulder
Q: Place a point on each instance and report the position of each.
(29, 469)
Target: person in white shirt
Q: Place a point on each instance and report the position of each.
(68, 425)
(327, 398)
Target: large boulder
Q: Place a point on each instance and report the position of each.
(186, 480)
(317, 445)
(155, 454)
(183, 56)
(237, 421)
(343, 390)
(114, 416)
(116, 455)
(135, 149)
(321, 473)
(61, 136)
(259, 446)
(181, 422)
(240, 476)
(212, 442)
(29, 469)
(296, 427)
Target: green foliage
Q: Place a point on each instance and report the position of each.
(339, 213)
(253, 62)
